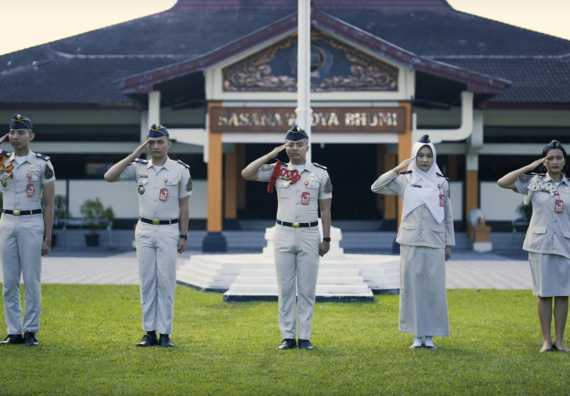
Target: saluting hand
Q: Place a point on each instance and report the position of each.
(404, 164)
(139, 150)
(3, 138)
(277, 150)
(538, 162)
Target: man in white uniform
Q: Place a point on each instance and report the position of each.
(164, 186)
(25, 234)
(301, 188)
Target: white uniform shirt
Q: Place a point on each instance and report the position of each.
(159, 189)
(23, 190)
(298, 202)
(419, 227)
(548, 231)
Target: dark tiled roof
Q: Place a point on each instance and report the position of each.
(82, 69)
(538, 79)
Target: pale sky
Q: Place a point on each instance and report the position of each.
(32, 22)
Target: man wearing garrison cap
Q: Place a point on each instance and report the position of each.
(164, 186)
(25, 229)
(301, 189)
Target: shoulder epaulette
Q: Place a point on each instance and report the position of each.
(440, 175)
(406, 172)
(141, 161)
(320, 166)
(42, 156)
(183, 164)
(5, 153)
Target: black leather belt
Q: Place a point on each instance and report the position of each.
(298, 225)
(22, 212)
(159, 222)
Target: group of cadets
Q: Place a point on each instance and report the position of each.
(304, 190)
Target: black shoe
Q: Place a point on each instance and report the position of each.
(13, 339)
(305, 344)
(288, 343)
(165, 341)
(147, 341)
(30, 339)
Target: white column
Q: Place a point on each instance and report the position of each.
(304, 111)
(153, 108)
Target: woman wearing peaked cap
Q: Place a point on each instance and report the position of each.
(548, 237)
(426, 236)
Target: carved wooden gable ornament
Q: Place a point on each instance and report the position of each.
(335, 66)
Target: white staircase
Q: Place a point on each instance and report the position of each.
(252, 276)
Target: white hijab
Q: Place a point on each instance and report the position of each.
(429, 181)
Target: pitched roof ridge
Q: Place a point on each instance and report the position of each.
(563, 56)
(66, 55)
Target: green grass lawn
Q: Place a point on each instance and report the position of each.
(89, 334)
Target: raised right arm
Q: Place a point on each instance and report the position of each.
(250, 171)
(114, 173)
(508, 181)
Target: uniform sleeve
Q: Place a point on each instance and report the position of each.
(130, 173)
(448, 219)
(265, 172)
(49, 174)
(390, 184)
(325, 190)
(185, 187)
(521, 184)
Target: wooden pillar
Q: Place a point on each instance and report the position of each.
(230, 188)
(380, 166)
(471, 195)
(390, 201)
(452, 167)
(214, 240)
(240, 164)
(404, 147)
(215, 160)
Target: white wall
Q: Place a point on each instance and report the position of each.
(499, 204)
(123, 197)
(456, 191)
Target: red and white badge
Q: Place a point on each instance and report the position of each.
(441, 197)
(305, 198)
(558, 204)
(163, 194)
(30, 186)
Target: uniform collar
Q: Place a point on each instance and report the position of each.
(565, 180)
(26, 157)
(165, 166)
(308, 167)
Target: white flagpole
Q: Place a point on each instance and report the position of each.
(303, 110)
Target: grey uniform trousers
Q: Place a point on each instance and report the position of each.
(297, 268)
(157, 256)
(21, 239)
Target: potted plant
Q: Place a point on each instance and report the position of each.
(95, 216)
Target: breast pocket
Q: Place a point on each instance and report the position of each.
(284, 189)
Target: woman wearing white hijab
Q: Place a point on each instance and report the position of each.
(426, 237)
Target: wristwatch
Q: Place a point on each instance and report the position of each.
(327, 239)
(184, 237)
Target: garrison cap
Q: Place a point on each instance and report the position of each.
(424, 139)
(157, 130)
(296, 133)
(554, 144)
(20, 122)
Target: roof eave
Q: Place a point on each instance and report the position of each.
(144, 82)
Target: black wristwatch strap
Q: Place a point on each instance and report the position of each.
(326, 239)
(184, 237)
